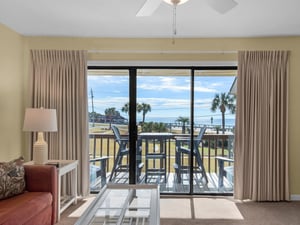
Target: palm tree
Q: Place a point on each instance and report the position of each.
(144, 108)
(183, 120)
(125, 108)
(159, 127)
(110, 113)
(223, 101)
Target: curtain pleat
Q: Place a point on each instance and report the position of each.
(261, 137)
(59, 81)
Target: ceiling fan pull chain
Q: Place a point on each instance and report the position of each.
(174, 20)
(174, 23)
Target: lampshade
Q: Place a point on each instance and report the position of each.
(40, 120)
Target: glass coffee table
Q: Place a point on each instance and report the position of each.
(124, 204)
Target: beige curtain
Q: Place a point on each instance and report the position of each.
(59, 81)
(261, 137)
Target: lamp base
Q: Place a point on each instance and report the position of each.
(40, 150)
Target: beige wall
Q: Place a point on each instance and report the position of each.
(11, 94)
(225, 44)
(159, 45)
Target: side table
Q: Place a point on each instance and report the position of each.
(64, 167)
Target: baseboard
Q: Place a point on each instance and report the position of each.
(295, 197)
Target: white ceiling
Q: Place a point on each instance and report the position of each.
(116, 18)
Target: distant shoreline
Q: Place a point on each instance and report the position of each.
(216, 122)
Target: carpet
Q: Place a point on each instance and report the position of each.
(281, 213)
(84, 205)
(175, 208)
(216, 208)
(210, 211)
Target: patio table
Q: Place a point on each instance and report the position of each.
(155, 153)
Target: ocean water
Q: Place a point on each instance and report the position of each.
(203, 121)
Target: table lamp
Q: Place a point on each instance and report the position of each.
(40, 120)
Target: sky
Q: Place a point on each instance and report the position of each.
(169, 96)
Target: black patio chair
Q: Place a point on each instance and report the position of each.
(119, 164)
(182, 150)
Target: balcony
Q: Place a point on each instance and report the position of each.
(214, 148)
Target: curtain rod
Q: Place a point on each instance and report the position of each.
(161, 52)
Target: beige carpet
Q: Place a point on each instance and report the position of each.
(216, 208)
(210, 211)
(175, 208)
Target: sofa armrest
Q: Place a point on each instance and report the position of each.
(43, 178)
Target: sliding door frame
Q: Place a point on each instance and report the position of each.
(133, 132)
(132, 126)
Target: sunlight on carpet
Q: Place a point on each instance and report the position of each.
(175, 208)
(169, 208)
(216, 208)
(180, 208)
(78, 212)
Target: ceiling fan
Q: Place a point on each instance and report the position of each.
(221, 6)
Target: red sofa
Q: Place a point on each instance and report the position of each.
(38, 204)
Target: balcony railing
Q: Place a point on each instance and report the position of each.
(213, 146)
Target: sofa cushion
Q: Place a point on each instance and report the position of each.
(12, 180)
(24, 207)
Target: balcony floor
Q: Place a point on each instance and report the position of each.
(172, 186)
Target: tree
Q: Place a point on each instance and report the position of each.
(222, 101)
(144, 108)
(183, 120)
(125, 108)
(94, 117)
(154, 127)
(110, 113)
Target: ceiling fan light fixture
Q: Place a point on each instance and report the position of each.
(175, 2)
(222, 6)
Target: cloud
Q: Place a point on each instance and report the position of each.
(156, 103)
(102, 80)
(168, 96)
(174, 84)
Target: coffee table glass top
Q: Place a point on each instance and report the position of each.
(125, 204)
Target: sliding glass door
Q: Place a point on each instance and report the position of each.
(214, 108)
(159, 126)
(108, 126)
(163, 97)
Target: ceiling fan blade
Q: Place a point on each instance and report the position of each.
(149, 7)
(222, 6)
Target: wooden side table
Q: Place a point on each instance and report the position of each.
(64, 167)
